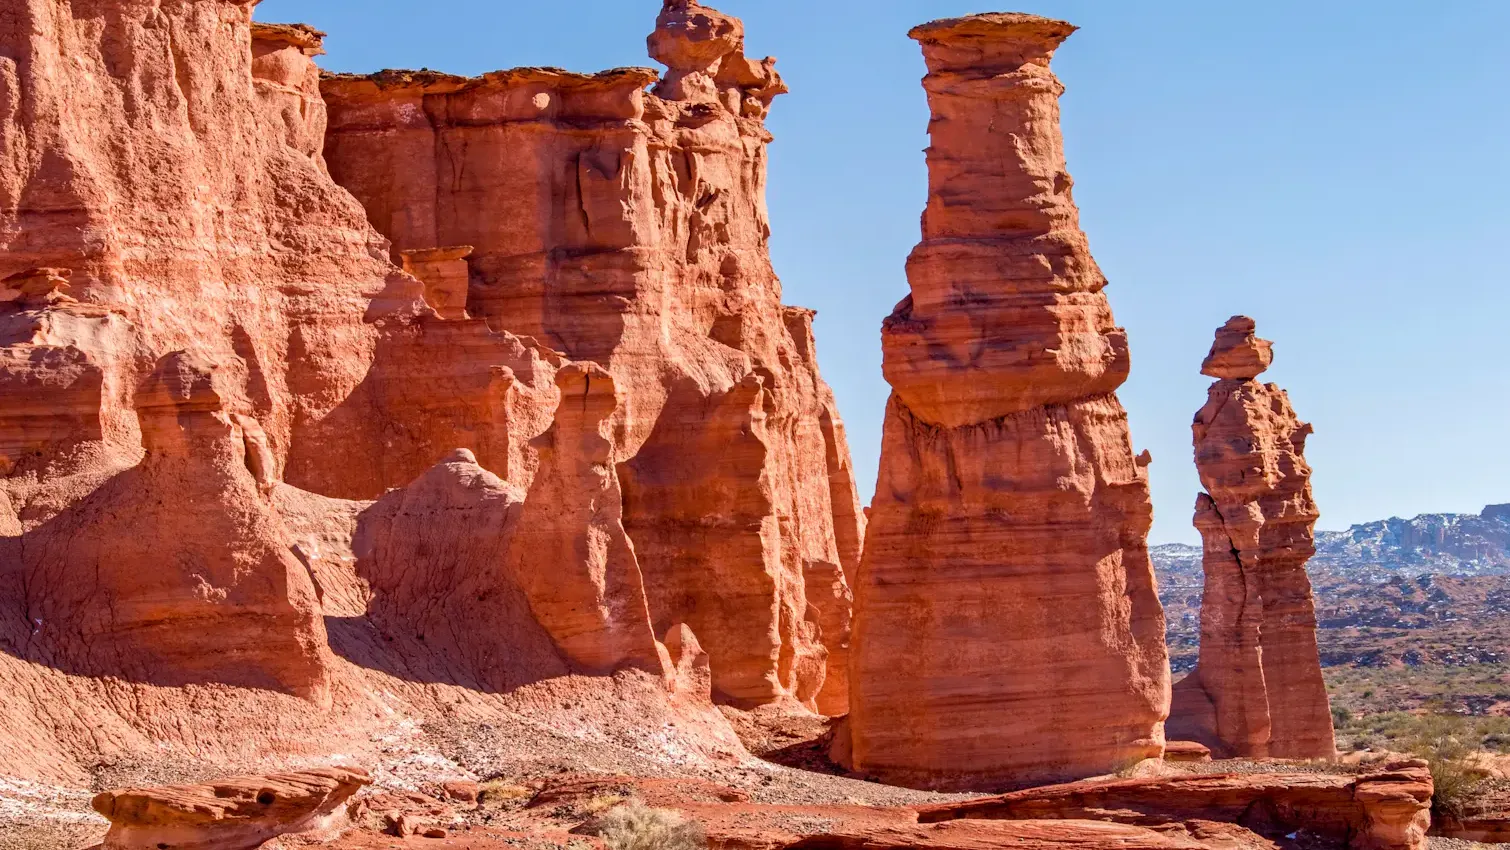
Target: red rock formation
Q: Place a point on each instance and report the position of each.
(628, 229)
(53, 389)
(1257, 689)
(573, 558)
(193, 210)
(177, 570)
(288, 83)
(1384, 810)
(443, 271)
(241, 813)
(174, 545)
(1006, 572)
(1481, 827)
(441, 592)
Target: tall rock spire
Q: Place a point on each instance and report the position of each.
(1257, 689)
(1006, 623)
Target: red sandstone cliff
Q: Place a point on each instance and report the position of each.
(1006, 626)
(628, 229)
(262, 491)
(1257, 689)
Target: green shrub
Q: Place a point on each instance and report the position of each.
(1442, 741)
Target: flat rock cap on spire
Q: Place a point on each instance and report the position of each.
(996, 26)
(1238, 354)
(302, 36)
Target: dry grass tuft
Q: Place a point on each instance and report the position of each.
(632, 825)
(497, 792)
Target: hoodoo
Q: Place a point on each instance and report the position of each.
(1006, 624)
(628, 228)
(1257, 689)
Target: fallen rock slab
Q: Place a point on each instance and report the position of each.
(1387, 810)
(232, 814)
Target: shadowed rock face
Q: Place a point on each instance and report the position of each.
(628, 229)
(177, 570)
(1257, 689)
(1006, 626)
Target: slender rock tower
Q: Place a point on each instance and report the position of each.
(1007, 627)
(1257, 689)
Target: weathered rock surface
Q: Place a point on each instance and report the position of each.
(1006, 626)
(1384, 810)
(240, 813)
(1257, 689)
(435, 556)
(264, 494)
(628, 229)
(176, 570)
(287, 82)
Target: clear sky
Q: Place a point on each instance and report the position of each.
(1338, 170)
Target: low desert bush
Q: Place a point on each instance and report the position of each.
(1441, 740)
(636, 826)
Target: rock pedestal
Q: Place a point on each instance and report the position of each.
(1257, 689)
(1006, 625)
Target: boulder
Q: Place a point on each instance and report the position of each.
(240, 813)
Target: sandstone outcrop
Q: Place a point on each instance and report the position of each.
(177, 570)
(240, 813)
(288, 83)
(1257, 689)
(1388, 809)
(1006, 625)
(1385, 809)
(627, 229)
(435, 556)
(264, 491)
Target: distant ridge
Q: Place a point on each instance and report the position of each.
(1439, 544)
(1434, 589)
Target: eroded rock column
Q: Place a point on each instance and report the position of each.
(1257, 689)
(1006, 624)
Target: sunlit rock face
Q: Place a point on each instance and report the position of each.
(1257, 689)
(628, 228)
(1006, 626)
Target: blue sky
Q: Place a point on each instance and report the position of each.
(1336, 170)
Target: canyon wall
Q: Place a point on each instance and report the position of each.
(186, 292)
(628, 229)
(1006, 625)
(1257, 689)
(268, 477)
